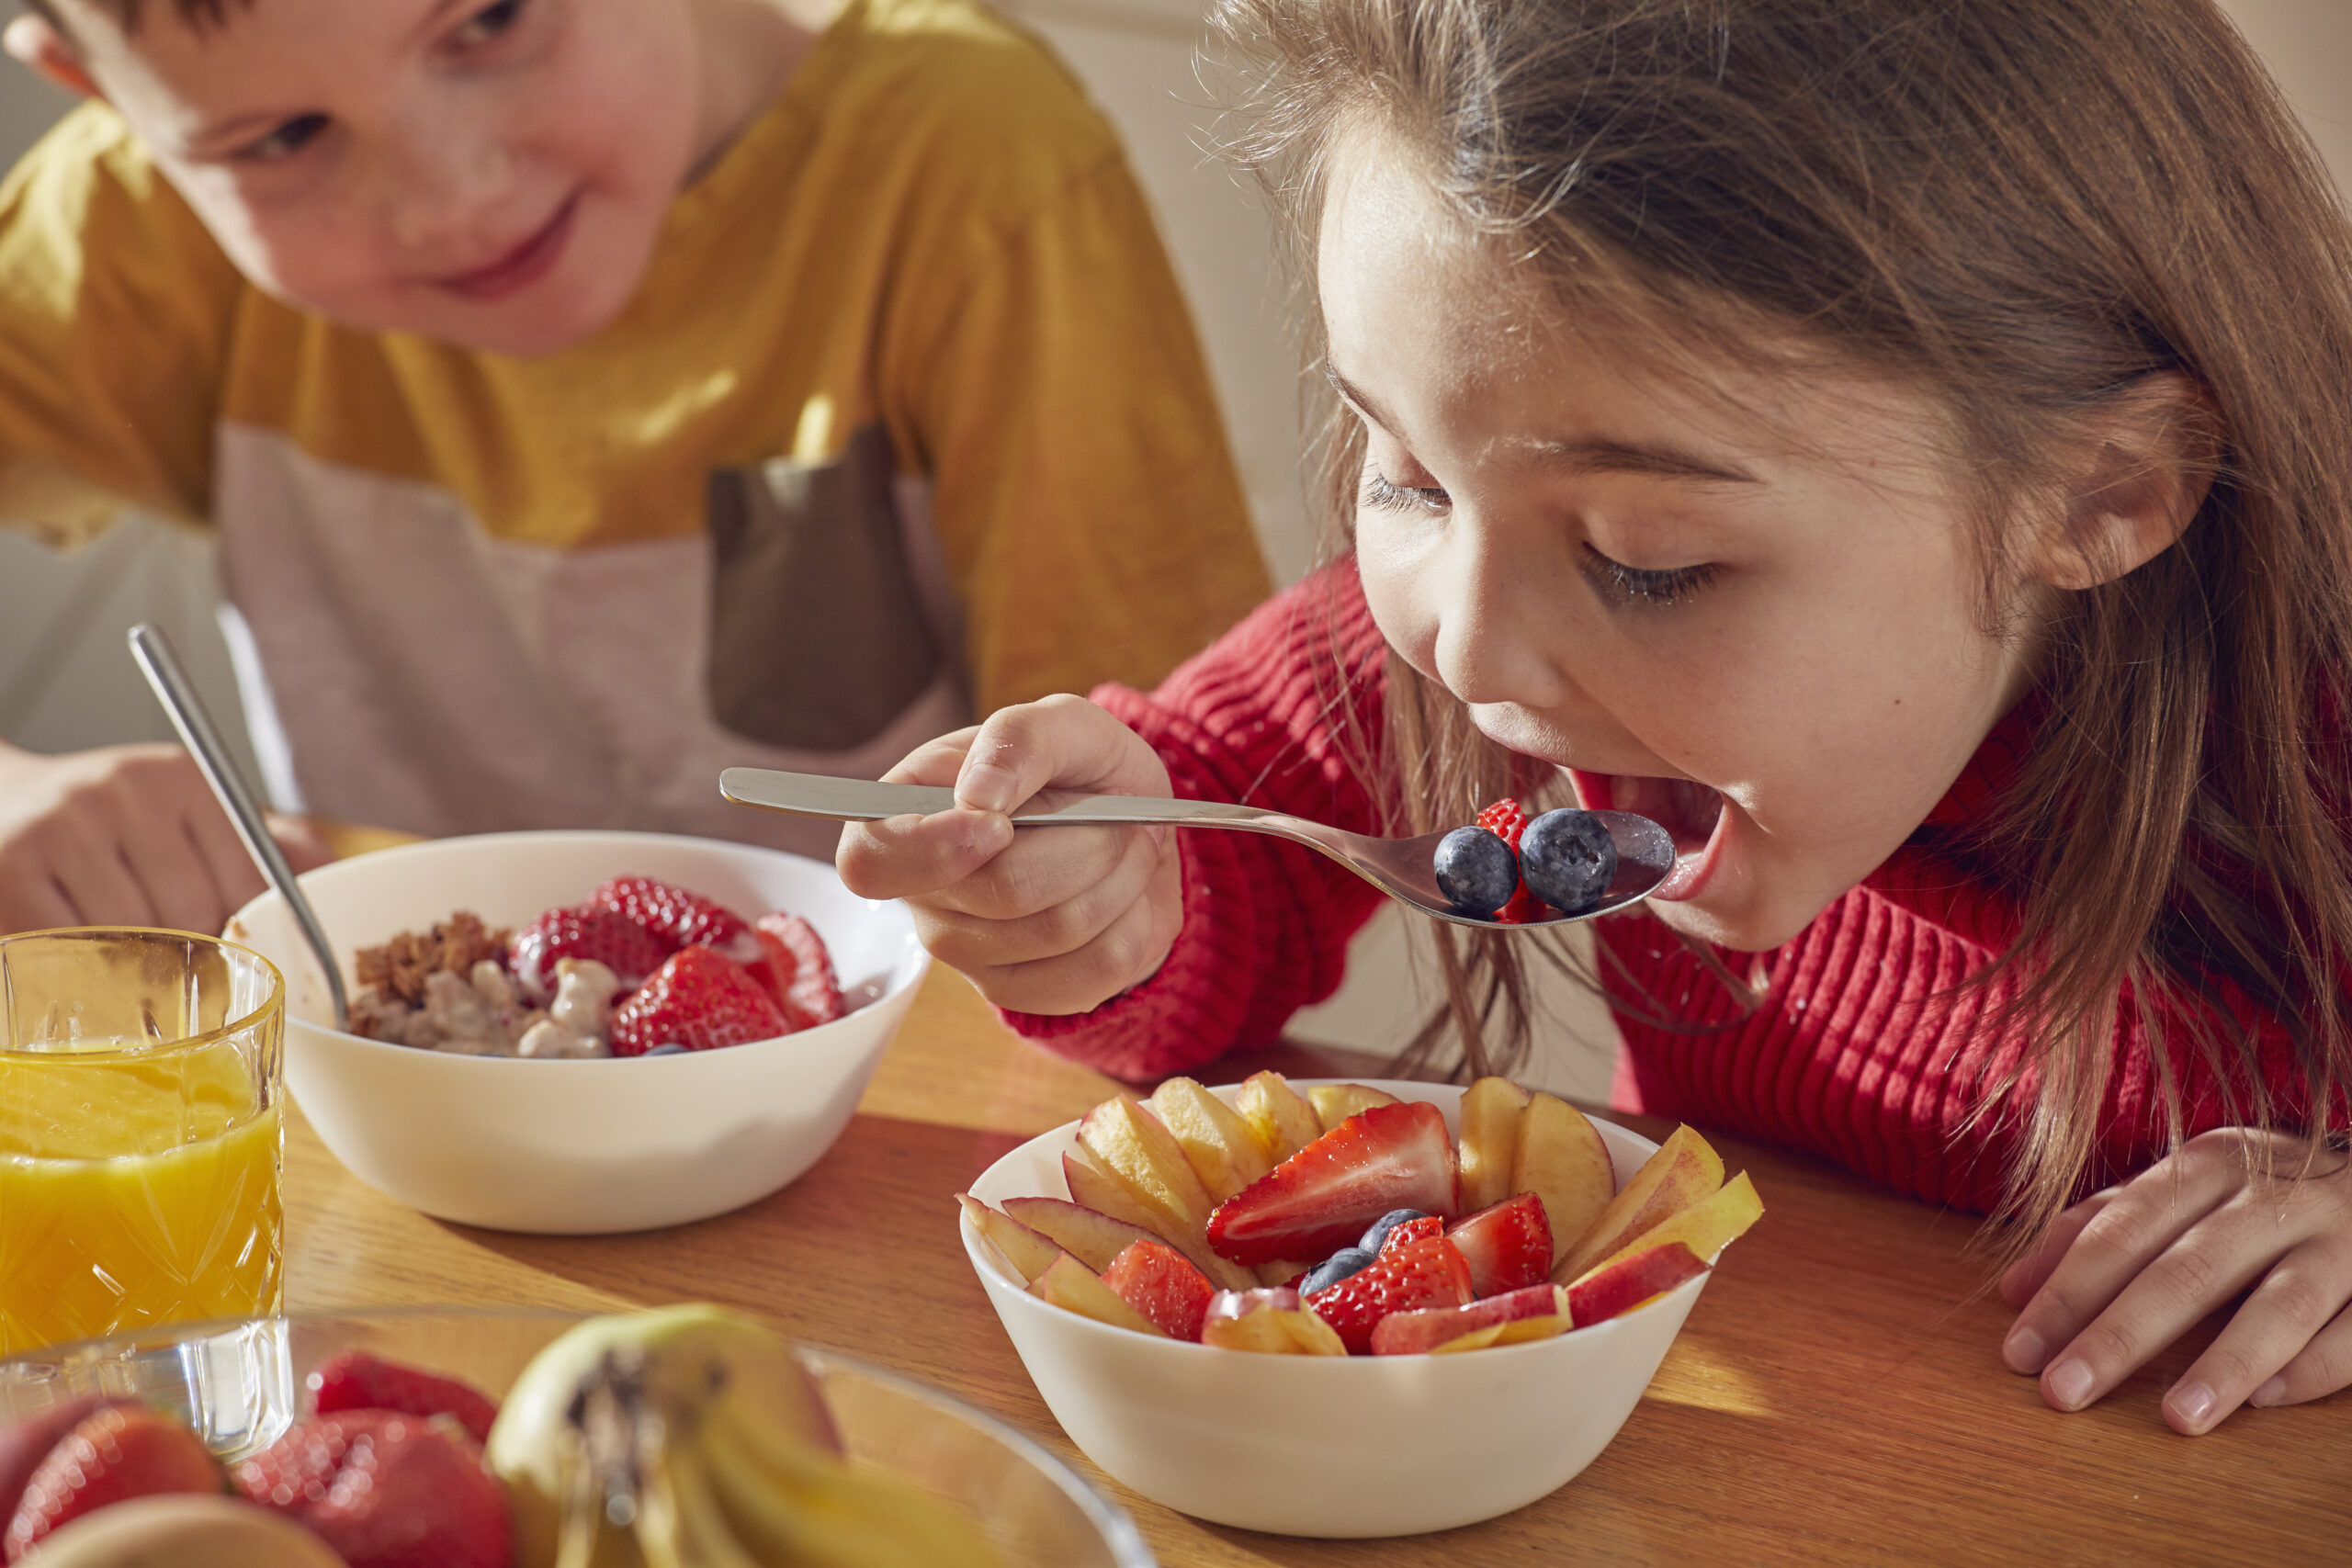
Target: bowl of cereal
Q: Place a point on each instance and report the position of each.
(583, 1032)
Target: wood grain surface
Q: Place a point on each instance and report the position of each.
(1836, 1397)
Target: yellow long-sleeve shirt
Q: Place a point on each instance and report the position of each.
(906, 416)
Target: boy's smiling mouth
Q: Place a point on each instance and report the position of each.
(1690, 812)
(520, 267)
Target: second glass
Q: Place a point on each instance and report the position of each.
(139, 1136)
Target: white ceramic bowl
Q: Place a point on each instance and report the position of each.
(1328, 1446)
(565, 1147)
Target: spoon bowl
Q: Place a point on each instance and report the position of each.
(1405, 869)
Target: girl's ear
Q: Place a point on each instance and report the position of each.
(35, 42)
(2143, 475)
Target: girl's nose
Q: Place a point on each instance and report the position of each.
(1504, 632)
(440, 186)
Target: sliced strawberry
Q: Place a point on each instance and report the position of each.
(1161, 1284)
(676, 916)
(1507, 1246)
(357, 1380)
(1412, 1278)
(797, 970)
(115, 1452)
(1422, 1229)
(1507, 821)
(702, 999)
(385, 1490)
(1323, 1197)
(619, 943)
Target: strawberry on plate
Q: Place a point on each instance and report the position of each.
(798, 971)
(357, 1380)
(1508, 1245)
(385, 1490)
(1412, 1278)
(700, 999)
(117, 1451)
(587, 931)
(675, 915)
(1323, 1197)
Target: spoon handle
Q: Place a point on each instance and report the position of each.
(162, 667)
(857, 800)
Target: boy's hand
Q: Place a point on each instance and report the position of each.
(1050, 920)
(121, 836)
(2126, 1272)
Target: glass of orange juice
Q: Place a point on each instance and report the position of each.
(140, 1078)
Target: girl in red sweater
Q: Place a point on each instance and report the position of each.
(1901, 447)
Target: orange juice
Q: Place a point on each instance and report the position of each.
(95, 1240)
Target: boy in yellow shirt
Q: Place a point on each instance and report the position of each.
(589, 395)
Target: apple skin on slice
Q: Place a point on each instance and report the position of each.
(1271, 1322)
(1094, 1186)
(1335, 1102)
(1684, 1170)
(1088, 1235)
(1278, 1113)
(1490, 1147)
(1072, 1285)
(1225, 1151)
(1562, 1159)
(1029, 1253)
(1431, 1328)
(1625, 1282)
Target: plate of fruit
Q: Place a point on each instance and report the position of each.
(1347, 1309)
(490, 1438)
(575, 1033)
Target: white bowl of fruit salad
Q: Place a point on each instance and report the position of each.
(1347, 1309)
(699, 1019)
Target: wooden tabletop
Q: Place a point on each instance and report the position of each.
(1836, 1397)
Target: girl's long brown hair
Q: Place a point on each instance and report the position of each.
(2023, 208)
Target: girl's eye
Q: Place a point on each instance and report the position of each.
(487, 23)
(1622, 584)
(285, 140)
(1379, 492)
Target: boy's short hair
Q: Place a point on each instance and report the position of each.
(197, 13)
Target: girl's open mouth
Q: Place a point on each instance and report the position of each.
(1690, 812)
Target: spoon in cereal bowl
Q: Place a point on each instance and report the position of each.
(1638, 855)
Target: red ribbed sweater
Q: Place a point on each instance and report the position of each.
(1844, 1051)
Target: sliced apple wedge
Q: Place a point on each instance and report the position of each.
(1335, 1102)
(1072, 1285)
(1029, 1253)
(1271, 1322)
(1432, 1329)
(1281, 1117)
(1095, 1185)
(1087, 1235)
(1224, 1149)
(1627, 1281)
(1706, 1228)
(1489, 1149)
(1684, 1170)
(1562, 1159)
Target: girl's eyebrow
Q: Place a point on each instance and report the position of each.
(1587, 455)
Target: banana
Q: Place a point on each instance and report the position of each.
(692, 1438)
(184, 1531)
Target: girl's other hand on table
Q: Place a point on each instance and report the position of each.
(2126, 1272)
(1042, 922)
(123, 835)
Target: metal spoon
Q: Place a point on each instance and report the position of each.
(156, 660)
(1402, 868)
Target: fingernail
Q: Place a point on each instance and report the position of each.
(984, 786)
(2192, 1403)
(2069, 1383)
(2270, 1393)
(2024, 1350)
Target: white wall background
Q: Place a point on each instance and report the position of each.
(66, 683)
